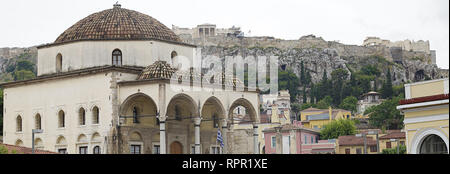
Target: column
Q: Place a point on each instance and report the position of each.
(255, 138)
(162, 134)
(197, 122)
(224, 135)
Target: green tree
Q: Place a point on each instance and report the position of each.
(349, 103)
(387, 91)
(325, 102)
(386, 114)
(339, 76)
(338, 128)
(295, 107)
(304, 94)
(25, 65)
(302, 74)
(324, 87)
(289, 80)
(23, 75)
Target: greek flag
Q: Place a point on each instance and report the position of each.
(219, 138)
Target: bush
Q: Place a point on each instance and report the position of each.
(338, 128)
(402, 150)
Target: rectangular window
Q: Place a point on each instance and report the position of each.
(156, 149)
(358, 151)
(135, 149)
(83, 149)
(347, 151)
(62, 151)
(215, 150)
(312, 139)
(373, 148)
(306, 140)
(402, 142)
(274, 142)
(192, 149)
(388, 145)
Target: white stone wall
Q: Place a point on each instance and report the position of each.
(47, 98)
(85, 54)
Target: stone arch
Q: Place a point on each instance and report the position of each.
(422, 135)
(213, 111)
(139, 108)
(82, 139)
(249, 117)
(96, 137)
(61, 141)
(135, 136)
(38, 144)
(182, 106)
(58, 64)
(18, 142)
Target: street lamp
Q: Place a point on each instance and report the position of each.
(398, 147)
(32, 138)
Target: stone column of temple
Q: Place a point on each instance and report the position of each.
(255, 139)
(197, 122)
(224, 135)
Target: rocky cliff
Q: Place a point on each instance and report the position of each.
(319, 55)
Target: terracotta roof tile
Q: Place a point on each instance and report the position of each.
(117, 24)
(25, 150)
(352, 140)
(394, 135)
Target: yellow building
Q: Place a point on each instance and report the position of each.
(426, 110)
(352, 144)
(316, 118)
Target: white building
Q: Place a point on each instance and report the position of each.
(106, 86)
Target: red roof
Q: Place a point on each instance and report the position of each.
(424, 99)
(352, 140)
(25, 150)
(394, 135)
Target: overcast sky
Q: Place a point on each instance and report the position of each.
(27, 23)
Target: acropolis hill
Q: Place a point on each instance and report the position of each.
(409, 60)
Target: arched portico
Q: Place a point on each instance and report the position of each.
(138, 116)
(182, 118)
(214, 118)
(250, 117)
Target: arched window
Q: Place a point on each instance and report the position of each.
(59, 63)
(433, 144)
(19, 124)
(172, 57)
(117, 57)
(61, 121)
(97, 150)
(82, 116)
(38, 121)
(95, 115)
(135, 115)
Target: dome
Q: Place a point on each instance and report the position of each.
(158, 70)
(118, 24)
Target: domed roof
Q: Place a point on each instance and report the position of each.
(118, 24)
